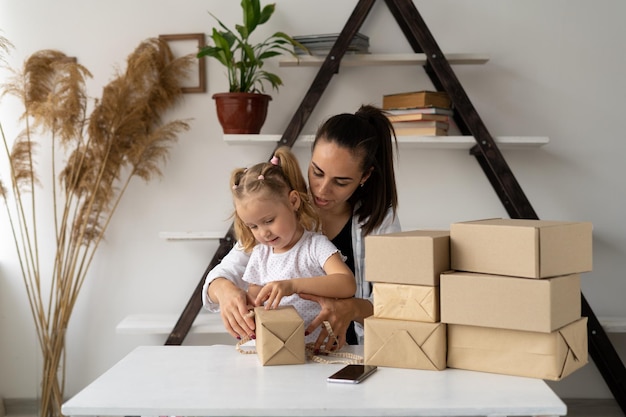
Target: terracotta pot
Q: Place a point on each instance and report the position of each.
(241, 112)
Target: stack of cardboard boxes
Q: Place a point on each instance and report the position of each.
(496, 295)
(512, 302)
(405, 330)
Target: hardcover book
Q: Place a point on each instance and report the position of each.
(420, 110)
(416, 99)
(421, 131)
(329, 37)
(321, 44)
(421, 128)
(423, 124)
(413, 117)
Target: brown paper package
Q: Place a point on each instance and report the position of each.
(279, 336)
(405, 344)
(550, 356)
(406, 302)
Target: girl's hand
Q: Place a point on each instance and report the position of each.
(234, 307)
(273, 292)
(339, 313)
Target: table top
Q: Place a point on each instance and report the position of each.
(219, 381)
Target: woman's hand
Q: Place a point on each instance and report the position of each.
(339, 313)
(234, 306)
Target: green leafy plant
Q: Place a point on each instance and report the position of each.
(243, 59)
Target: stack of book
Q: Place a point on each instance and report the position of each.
(321, 44)
(420, 113)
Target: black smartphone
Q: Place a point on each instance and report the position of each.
(352, 374)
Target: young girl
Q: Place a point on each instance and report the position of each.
(278, 226)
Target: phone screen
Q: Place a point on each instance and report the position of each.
(352, 374)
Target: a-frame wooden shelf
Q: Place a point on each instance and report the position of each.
(485, 150)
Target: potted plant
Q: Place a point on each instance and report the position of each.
(244, 108)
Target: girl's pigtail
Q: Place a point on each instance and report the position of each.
(242, 232)
(293, 174)
(235, 179)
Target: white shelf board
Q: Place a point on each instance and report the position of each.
(368, 60)
(191, 235)
(164, 324)
(425, 142)
(209, 323)
(613, 324)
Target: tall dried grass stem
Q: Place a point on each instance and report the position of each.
(123, 137)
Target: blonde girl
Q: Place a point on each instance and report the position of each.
(276, 223)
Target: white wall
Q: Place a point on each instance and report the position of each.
(556, 69)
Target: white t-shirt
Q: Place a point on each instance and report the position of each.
(305, 259)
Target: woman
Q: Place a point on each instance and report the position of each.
(352, 182)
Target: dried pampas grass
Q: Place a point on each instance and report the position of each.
(123, 137)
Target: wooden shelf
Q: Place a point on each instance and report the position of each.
(210, 323)
(613, 324)
(191, 235)
(368, 60)
(205, 323)
(423, 142)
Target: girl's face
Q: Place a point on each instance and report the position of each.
(272, 221)
(334, 175)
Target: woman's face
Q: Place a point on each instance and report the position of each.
(334, 174)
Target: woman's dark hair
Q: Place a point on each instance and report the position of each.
(369, 135)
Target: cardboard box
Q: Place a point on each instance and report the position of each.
(539, 305)
(405, 344)
(524, 248)
(406, 302)
(413, 257)
(279, 336)
(550, 356)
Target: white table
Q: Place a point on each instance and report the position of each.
(219, 381)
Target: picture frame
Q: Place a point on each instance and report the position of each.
(189, 43)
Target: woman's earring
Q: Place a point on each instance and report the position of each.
(362, 184)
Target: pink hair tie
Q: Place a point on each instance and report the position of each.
(261, 177)
(274, 160)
